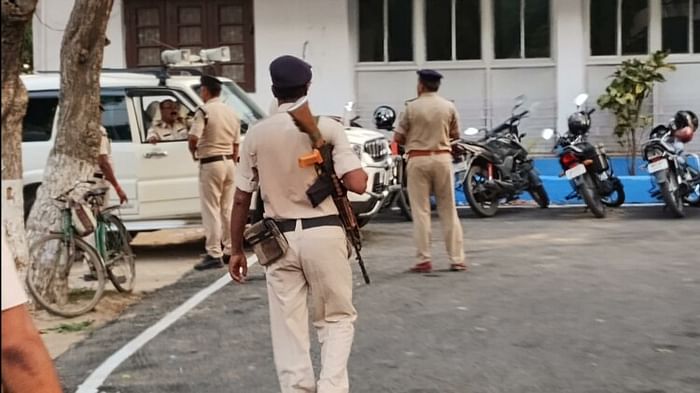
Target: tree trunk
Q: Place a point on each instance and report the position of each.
(16, 16)
(633, 153)
(74, 155)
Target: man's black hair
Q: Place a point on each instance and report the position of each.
(431, 86)
(214, 89)
(290, 93)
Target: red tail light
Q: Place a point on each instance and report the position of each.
(568, 160)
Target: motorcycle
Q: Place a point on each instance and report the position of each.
(586, 166)
(384, 117)
(674, 180)
(497, 167)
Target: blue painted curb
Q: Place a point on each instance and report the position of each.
(637, 188)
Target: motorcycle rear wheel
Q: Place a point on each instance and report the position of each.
(673, 198)
(539, 195)
(617, 197)
(590, 195)
(482, 206)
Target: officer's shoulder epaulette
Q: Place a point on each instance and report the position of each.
(411, 100)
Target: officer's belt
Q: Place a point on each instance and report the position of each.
(420, 153)
(308, 223)
(207, 160)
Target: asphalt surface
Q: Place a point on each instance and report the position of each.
(556, 301)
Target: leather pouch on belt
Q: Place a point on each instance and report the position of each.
(269, 244)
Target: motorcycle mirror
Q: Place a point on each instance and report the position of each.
(519, 100)
(471, 131)
(581, 99)
(547, 133)
(349, 106)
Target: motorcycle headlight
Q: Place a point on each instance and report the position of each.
(357, 149)
(652, 154)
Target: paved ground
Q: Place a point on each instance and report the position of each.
(556, 302)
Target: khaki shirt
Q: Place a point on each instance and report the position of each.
(269, 158)
(12, 290)
(105, 148)
(427, 123)
(219, 133)
(163, 131)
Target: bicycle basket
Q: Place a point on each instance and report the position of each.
(84, 222)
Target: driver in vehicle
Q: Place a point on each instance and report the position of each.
(171, 126)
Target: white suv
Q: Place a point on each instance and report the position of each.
(161, 180)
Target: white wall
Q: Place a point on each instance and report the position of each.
(49, 23)
(316, 30)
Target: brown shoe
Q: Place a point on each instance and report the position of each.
(423, 267)
(458, 267)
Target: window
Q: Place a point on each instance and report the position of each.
(151, 112)
(155, 25)
(115, 118)
(680, 25)
(38, 122)
(386, 30)
(522, 29)
(619, 27)
(453, 30)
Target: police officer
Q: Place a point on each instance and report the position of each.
(170, 127)
(213, 140)
(317, 259)
(104, 171)
(426, 127)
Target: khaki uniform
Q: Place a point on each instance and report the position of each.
(427, 123)
(105, 149)
(12, 290)
(163, 131)
(317, 260)
(218, 129)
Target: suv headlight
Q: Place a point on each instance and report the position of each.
(357, 149)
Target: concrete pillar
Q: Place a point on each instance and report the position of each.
(571, 54)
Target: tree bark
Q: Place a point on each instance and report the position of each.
(16, 16)
(74, 155)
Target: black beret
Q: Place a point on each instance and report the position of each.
(289, 71)
(429, 75)
(209, 81)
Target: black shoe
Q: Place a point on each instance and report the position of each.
(209, 262)
(226, 258)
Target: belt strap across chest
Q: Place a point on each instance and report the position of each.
(308, 223)
(208, 160)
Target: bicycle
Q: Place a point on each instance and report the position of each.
(74, 263)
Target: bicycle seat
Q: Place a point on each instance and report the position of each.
(95, 193)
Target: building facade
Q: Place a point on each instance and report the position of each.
(367, 51)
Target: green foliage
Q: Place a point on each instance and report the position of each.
(631, 84)
(71, 327)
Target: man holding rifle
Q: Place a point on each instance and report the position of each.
(275, 156)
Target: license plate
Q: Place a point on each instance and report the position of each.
(660, 165)
(460, 166)
(576, 171)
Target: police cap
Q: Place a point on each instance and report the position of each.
(289, 71)
(209, 81)
(429, 75)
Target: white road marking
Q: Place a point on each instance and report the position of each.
(101, 373)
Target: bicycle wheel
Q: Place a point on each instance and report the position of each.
(66, 278)
(119, 260)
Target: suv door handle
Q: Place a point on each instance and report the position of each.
(152, 154)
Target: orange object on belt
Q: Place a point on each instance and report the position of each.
(420, 153)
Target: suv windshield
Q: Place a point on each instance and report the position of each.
(245, 108)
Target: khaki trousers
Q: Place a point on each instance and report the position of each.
(316, 262)
(216, 198)
(434, 174)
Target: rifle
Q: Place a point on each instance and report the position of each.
(328, 184)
